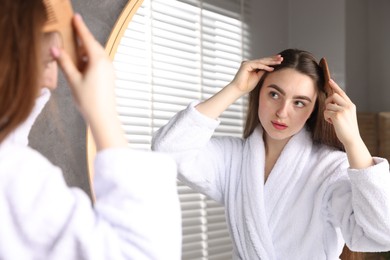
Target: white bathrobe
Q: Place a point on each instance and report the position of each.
(311, 204)
(42, 218)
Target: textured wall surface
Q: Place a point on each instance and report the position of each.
(60, 132)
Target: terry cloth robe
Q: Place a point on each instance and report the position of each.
(42, 218)
(311, 204)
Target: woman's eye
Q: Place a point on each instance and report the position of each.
(299, 103)
(274, 95)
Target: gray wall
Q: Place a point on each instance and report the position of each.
(368, 54)
(60, 132)
(379, 54)
(318, 26)
(354, 35)
(357, 57)
(269, 30)
(313, 25)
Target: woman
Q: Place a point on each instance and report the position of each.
(289, 191)
(42, 218)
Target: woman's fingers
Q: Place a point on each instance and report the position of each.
(340, 111)
(88, 48)
(338, 98)
(82, 31)
(71, 72)
(337, 89)
(268, 61)
(262, 64)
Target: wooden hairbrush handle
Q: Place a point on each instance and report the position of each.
(325, 69)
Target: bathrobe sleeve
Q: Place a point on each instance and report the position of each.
(203, 162)
(360, 205)
(136, 214)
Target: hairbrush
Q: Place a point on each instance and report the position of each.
(59, 19)
(325, 69)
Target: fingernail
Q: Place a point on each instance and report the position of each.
(78, 16)
(55, 52)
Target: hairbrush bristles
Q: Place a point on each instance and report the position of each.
(51, 17)
(59, 19)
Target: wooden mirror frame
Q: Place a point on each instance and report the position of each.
(111, 47)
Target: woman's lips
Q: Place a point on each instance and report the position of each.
(279, 126)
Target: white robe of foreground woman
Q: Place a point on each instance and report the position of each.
(136, 214)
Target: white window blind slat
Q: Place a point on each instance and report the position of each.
(176, 53)
(174, 11)
(136, 65)
(169, 60)
(137, 86)
(159, 103)
(174, 92)
(174, 46)
(217, 75)
(219, 62)
(185, 84)
(172, 53)
(230, 33)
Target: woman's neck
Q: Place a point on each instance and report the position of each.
(273, 149)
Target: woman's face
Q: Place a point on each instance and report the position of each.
(287, 99)
(50, 68)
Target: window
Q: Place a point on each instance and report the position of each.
(175, 52)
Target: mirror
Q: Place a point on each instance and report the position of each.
(218, 65)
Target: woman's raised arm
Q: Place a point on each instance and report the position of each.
(245, 81)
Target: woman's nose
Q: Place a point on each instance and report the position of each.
(282, 112)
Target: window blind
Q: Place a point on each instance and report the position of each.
(172, 53)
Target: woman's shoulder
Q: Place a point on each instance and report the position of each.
(19, 160)
(326, 151)
(228, 141)
(331, 162)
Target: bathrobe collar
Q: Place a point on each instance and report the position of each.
(267, 201)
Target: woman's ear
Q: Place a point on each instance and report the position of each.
(49, 77)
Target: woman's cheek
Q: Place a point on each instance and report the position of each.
(50, 76)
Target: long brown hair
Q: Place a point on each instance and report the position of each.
(21, 24)
(303, 62)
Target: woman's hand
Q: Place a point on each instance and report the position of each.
(245, 80)
(92, 86)
(251, 71)
(341, 112)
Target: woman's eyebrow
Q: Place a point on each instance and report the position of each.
(281, 91)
